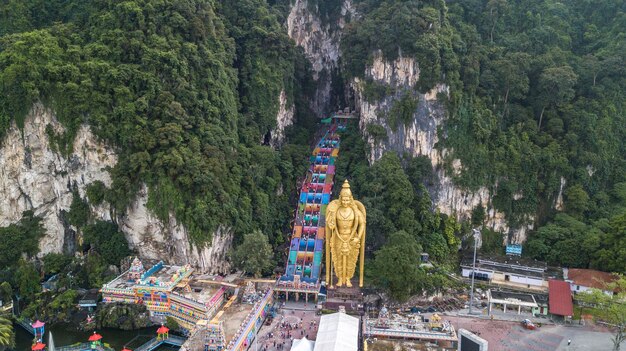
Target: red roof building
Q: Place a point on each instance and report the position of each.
(560, 298)
(584, 279)
(38, 346)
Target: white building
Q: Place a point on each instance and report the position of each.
(582, 280)
(303, 344)
(512, 272)
(337, 332)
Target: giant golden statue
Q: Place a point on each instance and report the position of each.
(345, 238)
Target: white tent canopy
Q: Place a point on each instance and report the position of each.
(337, 332)
(303, 344)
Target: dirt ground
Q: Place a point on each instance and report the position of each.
(233, 317)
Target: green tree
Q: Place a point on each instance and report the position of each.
(492, 242)
(27, 279)
(556, 87)
(96, 192)
(610, 309)
(396, 265)
(7, 335)
(96, 270)
(106, 238)
(254, 255)
(6, 292)
(55, 263)
(21, 237)
(63, 304)
(577, 200)
(79, 210)
(171, 323)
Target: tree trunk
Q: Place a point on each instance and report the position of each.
(618, 338)
(541, 118)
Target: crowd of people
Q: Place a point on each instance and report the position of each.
(284, 332)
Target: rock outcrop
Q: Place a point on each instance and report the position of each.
(123, 316)
(153, 239)
(320, 42)
(284, 118)
(34, 176)
(419, 137)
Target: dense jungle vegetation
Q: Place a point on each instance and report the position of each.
(537, 97)
(186, 91)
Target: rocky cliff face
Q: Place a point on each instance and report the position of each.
(284, 118)
(34, 176)
(320, 42)
(156, 240)
(419, 138)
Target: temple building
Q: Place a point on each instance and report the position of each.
(199, 303)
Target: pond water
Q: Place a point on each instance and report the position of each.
(63, 336)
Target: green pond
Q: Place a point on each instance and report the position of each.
(115, 337)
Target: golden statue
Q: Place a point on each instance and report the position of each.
(345, 237)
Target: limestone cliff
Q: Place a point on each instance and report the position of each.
(34, 176)
(156, 240)
(420, 137)
(284, 118)
(320, 42)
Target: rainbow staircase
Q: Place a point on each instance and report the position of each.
(307, 240)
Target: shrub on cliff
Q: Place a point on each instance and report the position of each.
(122, 316)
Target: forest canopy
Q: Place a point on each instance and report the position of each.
(536, 109)
(184, 91)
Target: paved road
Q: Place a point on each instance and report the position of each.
(510, 336)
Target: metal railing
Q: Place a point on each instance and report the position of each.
(82, 347)
(26, 324)
(156, 342)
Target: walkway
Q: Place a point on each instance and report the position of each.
(307, 240)
(26, 324)
(81, 347)
(154, 343)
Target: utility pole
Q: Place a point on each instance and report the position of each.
(475, 233)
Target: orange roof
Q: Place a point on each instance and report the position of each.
(590, 278)
(162, 330)
(38, 346)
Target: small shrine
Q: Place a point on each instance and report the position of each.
(163, 332)
(136, 270)
(38, 346)
(383, 318)
(38, 329)
(215, 337)
(95, 340)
